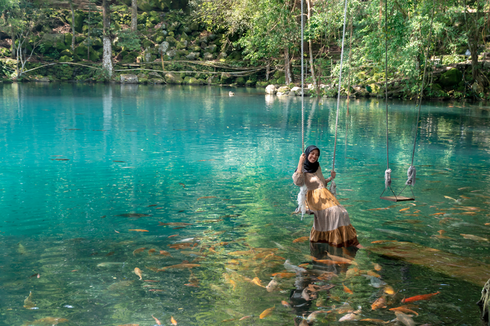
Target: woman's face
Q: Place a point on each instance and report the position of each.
(313, 156)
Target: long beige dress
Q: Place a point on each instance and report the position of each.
(332, 223)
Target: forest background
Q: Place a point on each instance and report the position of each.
(440, 45)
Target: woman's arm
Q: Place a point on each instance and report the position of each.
(298, 176)
(332, 176)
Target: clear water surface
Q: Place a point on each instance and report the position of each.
(90, 172)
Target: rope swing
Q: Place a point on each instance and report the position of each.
(411, 172)
(333, 186)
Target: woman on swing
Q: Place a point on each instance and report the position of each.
(332, 223)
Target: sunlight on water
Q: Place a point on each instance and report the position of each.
(194, 188)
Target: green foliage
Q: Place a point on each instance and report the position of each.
(129, 40)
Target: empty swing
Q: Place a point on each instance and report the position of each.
(411, 172)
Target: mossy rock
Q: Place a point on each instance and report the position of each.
(281, 80)
(79, 39)
(172, 78)
(171, 40)
(240, 81)
(450, 78)
(193, 81)
(81, 50)
(129, 56)
(250, 83)
(235, 56)
(66, 52)
(262, 83)
(195, 48)
(68, 39)
(226, 78)
(159, 39)
(94, 55)
(147, 44)
(79, 20)
(278, 74)
(97, 43)
(66, 58)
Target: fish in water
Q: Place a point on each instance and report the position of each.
(183, 185)
(47, 321)
(173, 321)
(377, 321)
(156, 320)
(291, 267)
(347, 290)
(379, 303)
(377, 267)
(285, 304)
(165, 253)
(180, 266)
(302, 239)
(404, 319)
(351, 316)
(137, 215)
(404, 309)
(119, 285)
(284, 275)
(175, 224)
(206, 197)
(138, 230)
(312, 317)
(266, 312)
(109, 264)
(420, 297)
(138, 250)
(404, 209)
(137, 271)
(389, 290)
(28, 304)
(473, 237)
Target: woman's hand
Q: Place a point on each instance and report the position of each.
(333, 174)
(302, 158)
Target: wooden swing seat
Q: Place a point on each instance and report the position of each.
(397, 198)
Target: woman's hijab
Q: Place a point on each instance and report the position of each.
(307, 165)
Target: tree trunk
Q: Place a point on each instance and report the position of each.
(267, 71)
(287, 70)
(134, 15)
(106, 39)
(72, 26)
(310, 47)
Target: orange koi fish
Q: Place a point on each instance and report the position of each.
(347, 290)
(266, 312)
(404, 209)
(165, 253)
(420, 297)
(156, 320)
(302, 239)
(379, 303)
(440, 213)
(173, 321)
(138, 230)
(404, 309)
(284, 275)
(137, 271)
(138, 251)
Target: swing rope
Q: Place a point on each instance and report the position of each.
(411, 170)
(302, 83)
(388, 170)
(333, 186)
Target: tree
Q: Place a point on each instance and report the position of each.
(134, 15)
(72, 25)
(106, 39)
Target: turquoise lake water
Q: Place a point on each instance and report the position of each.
(83, 165)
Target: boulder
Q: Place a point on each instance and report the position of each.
(295, 91)
(283, 90)
(163, 47)
(270, 89)
(207, 56)
(172, 53)
(192, 56)
(211, 48)
(129, 79)
(450, 78)
(172, 78)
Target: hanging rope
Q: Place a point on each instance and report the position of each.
(388, 170)
(411, 170)
(302, 84)
(333, 186)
